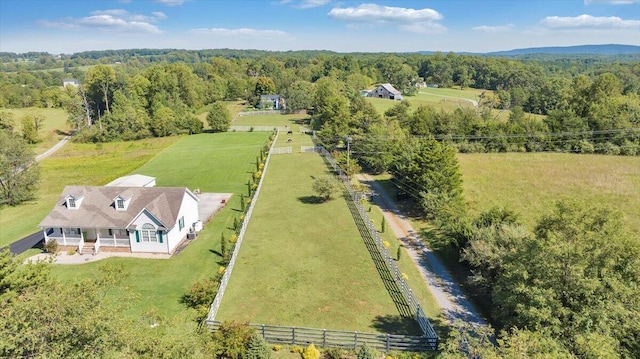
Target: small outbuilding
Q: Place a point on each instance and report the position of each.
(72, 82)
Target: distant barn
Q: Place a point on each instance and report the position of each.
(386, 91)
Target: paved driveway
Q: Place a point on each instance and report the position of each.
(28, 242)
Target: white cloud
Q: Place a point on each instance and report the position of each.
(242, 32)
(170, 2)
(159, 15)
(611, 2)
(494, 29)
(305, 4)
(588, 22)
(118, 20)
(413, 20)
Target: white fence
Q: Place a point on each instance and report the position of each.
(307, 149)
(266, 112)
(281, 150)
(402, 284)
(257, 128)
(227, 274)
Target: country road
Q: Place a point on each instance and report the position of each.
(53, 149)
(448, 294)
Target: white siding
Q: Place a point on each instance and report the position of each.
(149, 247)
(173, 236)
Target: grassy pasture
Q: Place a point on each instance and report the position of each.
(76, 164)
(55, 123)
(530, 183)
(270, 120)
(433, 99)
(159, 284)
(304, 263)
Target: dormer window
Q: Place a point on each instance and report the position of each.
(120, 203)
(73, 202)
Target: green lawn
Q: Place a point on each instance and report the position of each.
(213, 162)
(76, 164)
(271, 120)
(234, 108)
(530, 183)
(304, 263)
(446, 99)
(54, 124)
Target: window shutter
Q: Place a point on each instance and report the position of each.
(160, 236)
(137, 236)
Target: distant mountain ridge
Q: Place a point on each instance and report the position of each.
(608, 49)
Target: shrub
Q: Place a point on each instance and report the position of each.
(324, 186)
(276, 348)
(51, 246)
(311, 352)
(333, 353)
(223, 246)
(297, 349)
(399, 252)
(200, 296)
(232, 339)
(366, 352)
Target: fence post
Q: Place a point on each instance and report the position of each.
(263, 334)
(355, 341)
(293, 334)
(324, 338)
(388, 342)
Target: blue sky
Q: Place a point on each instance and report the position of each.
(67, 26)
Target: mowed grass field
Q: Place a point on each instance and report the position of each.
(446, 99)
(530, 183)
(271, 120)
(53, 126)
(76, 164)
(194, 161)
(303, 262)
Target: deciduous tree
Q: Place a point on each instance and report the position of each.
(19, 173)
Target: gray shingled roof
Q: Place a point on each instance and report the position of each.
(97, 207)
(391, 89)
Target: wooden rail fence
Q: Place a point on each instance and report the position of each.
(276, 334)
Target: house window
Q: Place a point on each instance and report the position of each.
(181, 223)
(72, 202)
(119, 203)
(148, 233)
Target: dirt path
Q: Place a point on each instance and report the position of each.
(53, 149)
(446, 291)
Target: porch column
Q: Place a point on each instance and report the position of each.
(97, 236)
(113, 232)
(64, 237)
(46, 237)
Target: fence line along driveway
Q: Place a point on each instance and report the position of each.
(448, 294)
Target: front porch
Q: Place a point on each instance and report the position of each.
(90, 240)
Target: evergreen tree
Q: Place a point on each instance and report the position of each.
(257, 348)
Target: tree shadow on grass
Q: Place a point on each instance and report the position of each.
(311, 199)
(62, 133)
(396, 324)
